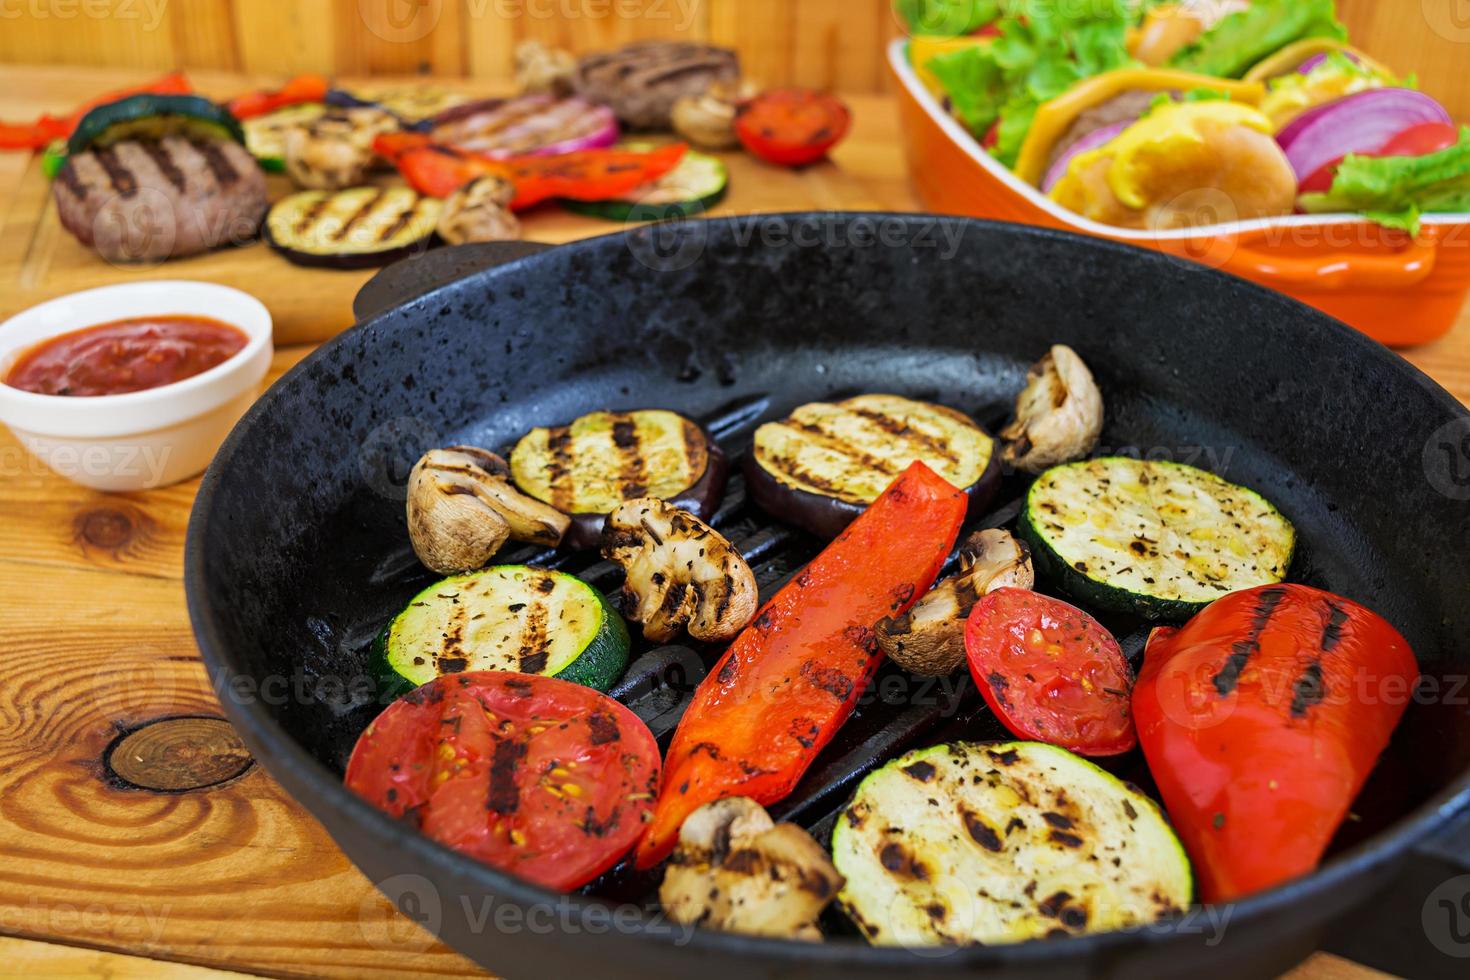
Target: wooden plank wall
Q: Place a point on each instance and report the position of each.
(824, 43)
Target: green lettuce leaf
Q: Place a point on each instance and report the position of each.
(1043, 49)
(1241, 39)
(947, 18)
(1395, 191)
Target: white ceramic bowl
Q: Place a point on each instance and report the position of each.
(144, 438)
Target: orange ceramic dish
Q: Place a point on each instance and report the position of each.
(1396, 289)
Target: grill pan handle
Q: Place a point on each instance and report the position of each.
(416, 275)
(1419, 925)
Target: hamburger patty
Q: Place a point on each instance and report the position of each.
(147, 200)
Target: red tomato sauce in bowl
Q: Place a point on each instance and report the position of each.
(126, 355)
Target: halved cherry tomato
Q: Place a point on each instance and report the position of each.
(791, 127)
(547, 780)
(1416, 141)
(1050, 672)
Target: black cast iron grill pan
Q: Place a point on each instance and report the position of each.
(297, 552)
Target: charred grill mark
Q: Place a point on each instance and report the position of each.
(503, 797)
(998, 685)
(980, 831)
(1065, 839)
(1007, 758)
(1309, 689)
(1052, 905)
(119, 176)
(73, 181)
(534, 650)
(1337, 618)
(219, 165)
(1229, 674)
(1057, 820)
(828, 679)
(400, 222)
(897, 859)
(164, 161)
(863, 638)
(603, 728)
(309, 215)
(727, 671)
(921, 770)
(559, 469)
(902, 595)
(632, 476)
(804, 730)
(451, 665)
(908, 434)
(361, 213)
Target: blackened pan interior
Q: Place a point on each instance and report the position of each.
(297, 551)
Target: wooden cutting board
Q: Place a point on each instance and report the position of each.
(39, 259)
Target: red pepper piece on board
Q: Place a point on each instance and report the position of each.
(791, 679)
(300, 90)
(47, 128)
(1261, 718)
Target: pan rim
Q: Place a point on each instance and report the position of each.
(328, 799)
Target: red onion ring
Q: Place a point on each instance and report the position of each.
(1359, 123)
(1091, 141)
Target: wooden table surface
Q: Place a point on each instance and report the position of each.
(99, 879)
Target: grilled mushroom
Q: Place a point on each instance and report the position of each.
(541, 68)
(462, 508)
(736, 870)
(681, 573)
(929, 639)
(335, 150)
(707, 119)
(1059, 414)
(479, 212)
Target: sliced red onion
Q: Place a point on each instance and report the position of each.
(1359, 123)
(1091, 141)
(527, 126)
(1305, 68)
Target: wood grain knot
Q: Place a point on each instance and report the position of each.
(107, 528)
(175, 755)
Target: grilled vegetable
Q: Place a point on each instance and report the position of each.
(590, 467)
(152, 117)
(1156, 539)
(334, 150)
(1059, 414)
(480, 212)
(462, 508)
(681, 573)
(265, 135)
(737, 871)
(707, 119)
(539, 68)
(791, 679)
(48, 129)
(1050, 672)
(697, 184)
(351, 229)
(299, 91)
(412, 104)
(529, 125)
(1261, 719)
(929, 639)
(791, 127)
(509, 617)
(1058, 847)
(821, 465)
(542, 779)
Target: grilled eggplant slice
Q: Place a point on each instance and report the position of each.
(351, 229)
(681, 573)
(1000, 843)
(736, 870)
(590, 467)
(823, 464)
(508, 617)
(1156, 539)
(929, 639)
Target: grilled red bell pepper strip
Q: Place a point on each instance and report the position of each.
(49, 128)
(790, 680)
(1261, 718)
(586, 175)
(298, 91)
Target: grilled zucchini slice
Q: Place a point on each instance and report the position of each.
(265, 136)
(821, 465)
(697, 184)
(152, 117)
(589, 468)
(1156, 539)
(1001, 843)
(353, 228)
(507, 617)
